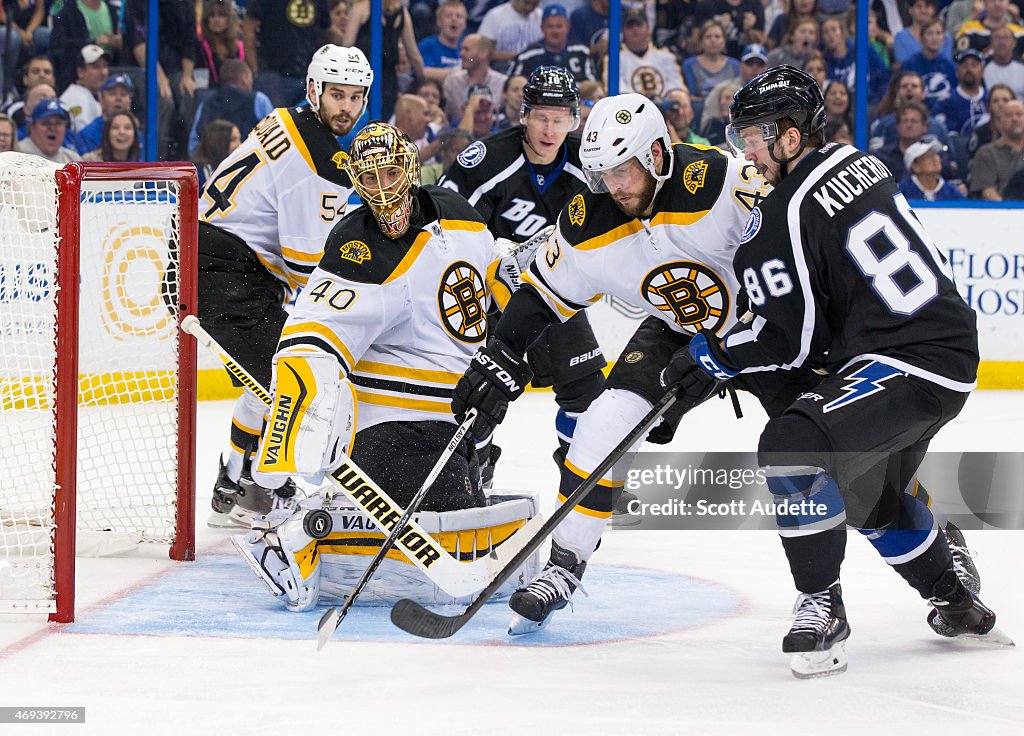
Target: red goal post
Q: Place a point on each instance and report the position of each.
(97, 383)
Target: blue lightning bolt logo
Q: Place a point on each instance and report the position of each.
(865, 382)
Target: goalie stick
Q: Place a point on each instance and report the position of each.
(330, 621)
(452, 576)
(413, 618)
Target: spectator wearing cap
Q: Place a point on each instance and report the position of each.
(742, 21)
(440, 52)
(512, 26)
(46, 132)
(554, 49)
(677, 110)
(924, 174)
(643, 67)
(82, 97)
(115, 96)
(234, 100)
(72, 30)
(963, 110)
(1003, 66)
(909, 41)
(753, 61)
(977, 33)
(33, 97)
(995, 163)
(937, 71)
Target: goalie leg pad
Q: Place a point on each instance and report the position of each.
(284, 557)
(312, 421)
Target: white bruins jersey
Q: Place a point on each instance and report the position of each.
(281, 192)
(653, 74)
(677, 265)
(403, 317)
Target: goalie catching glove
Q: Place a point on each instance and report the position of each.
(312, 421)
(495, 377)
(699, 369)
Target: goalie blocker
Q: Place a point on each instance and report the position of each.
(305, 572)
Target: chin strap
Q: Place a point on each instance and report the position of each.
(783, 171)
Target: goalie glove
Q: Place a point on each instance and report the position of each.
(495, 377)
(699, 369)
(312, 420)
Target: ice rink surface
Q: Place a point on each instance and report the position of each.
(681, 633)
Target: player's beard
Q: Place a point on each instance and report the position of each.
(638, 205)
(340, 124)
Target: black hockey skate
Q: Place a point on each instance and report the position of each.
(963, 558)
(817, 639)
(957, 612)
(237, 504)
(225, 491)
(550, 591)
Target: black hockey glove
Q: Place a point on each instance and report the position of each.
(699, 369)
(495, 377)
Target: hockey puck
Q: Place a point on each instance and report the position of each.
(317, 524)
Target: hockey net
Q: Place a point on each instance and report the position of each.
(97, 399)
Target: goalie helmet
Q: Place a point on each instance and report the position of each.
(384, 167)
(620, 128)
(781, 92)
(551, 86)
(338, 65)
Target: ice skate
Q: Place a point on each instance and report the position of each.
(817, 639)
(550, 591)
(225, 495)
(963, 558)
(957, 612)
(237, 504)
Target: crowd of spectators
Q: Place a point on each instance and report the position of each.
(945, 77)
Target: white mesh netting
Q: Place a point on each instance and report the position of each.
(127, 369)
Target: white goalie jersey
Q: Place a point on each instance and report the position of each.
(281, 192)
(402, 317)
(677, 265)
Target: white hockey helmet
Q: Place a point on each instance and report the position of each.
(620, 128)
(340, 65)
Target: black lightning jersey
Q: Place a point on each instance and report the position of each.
(836, 268)
(516, 198)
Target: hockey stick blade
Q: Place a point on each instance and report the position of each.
(422, 550)
(411, 617)
(329, 623)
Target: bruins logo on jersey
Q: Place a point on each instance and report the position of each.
(340, 159)
(355, 250)
(461, 300)
(647, 80)
(691, 292)
(577, 210)
(694, 176)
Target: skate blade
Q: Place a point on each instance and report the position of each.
(218, 520)
(620, 521)
(810, 665)
(242, 547)
(995, 638)
(519, 625)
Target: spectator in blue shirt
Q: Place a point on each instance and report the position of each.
(589, 25)
(115, 96)
(937, 72)
(965, 108)
(841, 60)
(909, 41)
(924, 174)
(907, 86)
(234, 100)
(442, 52)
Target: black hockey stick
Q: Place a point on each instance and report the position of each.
(413, 618)
(333, 617)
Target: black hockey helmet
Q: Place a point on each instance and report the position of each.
(781, 92)
(551, 86)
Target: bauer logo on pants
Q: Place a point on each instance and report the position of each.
(461, 299)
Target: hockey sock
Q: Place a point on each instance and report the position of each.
(565, 426)
(815, 559)
(913, 545)
(246, 423)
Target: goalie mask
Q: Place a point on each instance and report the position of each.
(384, 167)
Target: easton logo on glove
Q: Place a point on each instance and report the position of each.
(499, 374)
